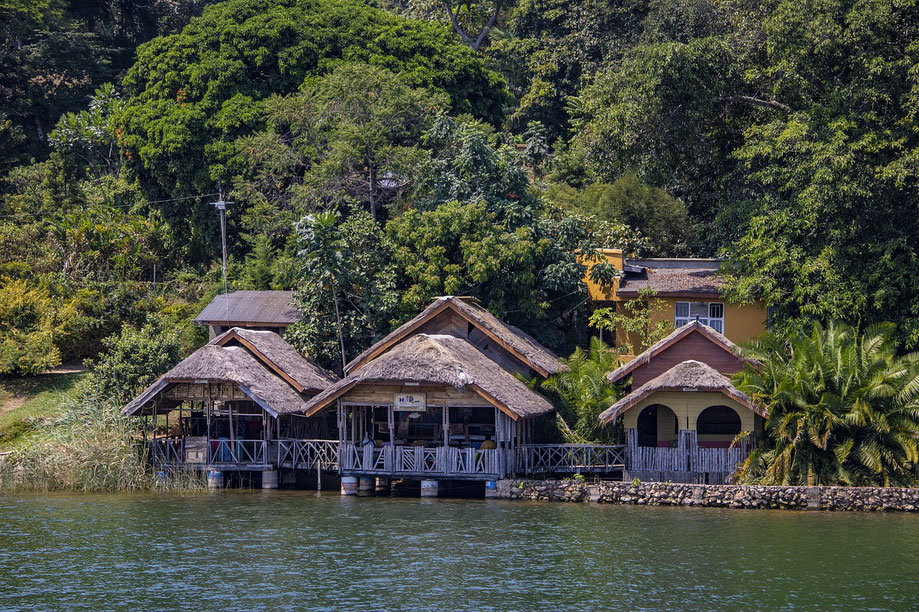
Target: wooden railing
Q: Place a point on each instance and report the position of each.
(307, 454)
(416, 460)
(168, 451)
(569, 458)
(237, 452)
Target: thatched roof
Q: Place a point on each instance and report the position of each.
(514, 340)
(304, 375)
(251, 309)
(227, 364)
(687, 376)
(675, 336)
(690, 278)
(444, 361)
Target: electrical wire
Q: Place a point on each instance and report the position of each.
(119, 206)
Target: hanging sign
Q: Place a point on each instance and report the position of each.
(410, 402)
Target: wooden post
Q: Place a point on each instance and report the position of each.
(499, 434)
(446, 420)
(390, 416)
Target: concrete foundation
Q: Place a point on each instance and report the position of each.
(429, 488)
(215, 479)
(365, 486)
(348, 485)
(270, 479)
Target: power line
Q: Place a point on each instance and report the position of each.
(118, 206)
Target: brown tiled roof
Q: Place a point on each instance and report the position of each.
(689, 375)
(259, 308)
(674, 282)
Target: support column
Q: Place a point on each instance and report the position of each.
(349, 485)
(365, 486)
(270, 479)
(214, 479)
(382, 484)
(428, 488)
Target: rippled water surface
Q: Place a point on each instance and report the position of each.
(244, 550)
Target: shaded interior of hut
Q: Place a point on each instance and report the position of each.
(467, 427)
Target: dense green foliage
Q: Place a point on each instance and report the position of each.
(583, 392)
(193, 94)
(842, 408)
(431, 147)
(472, 226)
(789, 131)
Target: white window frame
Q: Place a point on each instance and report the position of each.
(708, 307)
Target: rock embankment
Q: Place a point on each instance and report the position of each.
(715, 496)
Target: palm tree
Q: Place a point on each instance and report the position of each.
(842, 407)
(583, 392)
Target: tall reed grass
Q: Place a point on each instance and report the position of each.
(90, 446)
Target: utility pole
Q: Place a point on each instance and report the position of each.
(222, 207)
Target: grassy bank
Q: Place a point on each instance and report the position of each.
(64, 438)
(25, 403)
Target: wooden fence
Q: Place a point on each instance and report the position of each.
(570, 458)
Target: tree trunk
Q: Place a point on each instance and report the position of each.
(373, 201)
(341, 338)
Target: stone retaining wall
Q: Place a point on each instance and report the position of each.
(714, 496)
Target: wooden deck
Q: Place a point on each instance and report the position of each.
(420, 462)
(448, 462)
(241, 455)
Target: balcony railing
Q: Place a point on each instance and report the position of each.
(237, 452)
(168, 451)
(570, 458)
(416, 460)
(308, 454)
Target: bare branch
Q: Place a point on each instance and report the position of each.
(488, 26)
(473, 43)
(456, 26)
(760, 102)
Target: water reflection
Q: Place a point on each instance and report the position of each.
(243, 550)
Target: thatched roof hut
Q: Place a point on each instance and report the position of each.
(301, 373)
(444, 361)
(693, 327)
(521, 345)
(265, 368)
(688, 376)
(225, 364)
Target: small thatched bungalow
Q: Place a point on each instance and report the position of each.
(682, 414)
(440, 397)
(236, 403)
(431, 406)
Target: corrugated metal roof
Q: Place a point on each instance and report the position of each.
(263, 308)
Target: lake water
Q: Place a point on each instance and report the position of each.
(244, 550)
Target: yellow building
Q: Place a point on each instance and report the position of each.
(685, 290)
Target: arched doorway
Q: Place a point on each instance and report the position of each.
(717, 426)
(657, 426)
